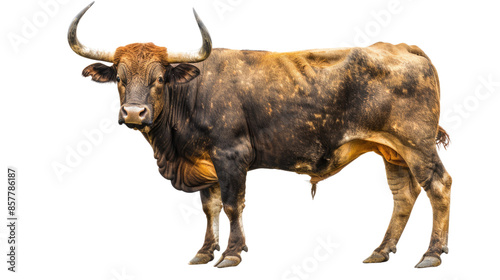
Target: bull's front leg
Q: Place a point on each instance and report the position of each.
(232, 166)
(212, 205)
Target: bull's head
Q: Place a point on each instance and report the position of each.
(142, 73)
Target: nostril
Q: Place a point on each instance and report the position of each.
(124, 112)
(142, 114)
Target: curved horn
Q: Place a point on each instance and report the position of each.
(79, 48)
(194, 56)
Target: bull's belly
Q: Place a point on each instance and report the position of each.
(329, 164)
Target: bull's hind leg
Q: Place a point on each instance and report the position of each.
(437, 183)
(212, 205)
(405, 191)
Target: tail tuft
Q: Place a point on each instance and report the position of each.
(442, 138)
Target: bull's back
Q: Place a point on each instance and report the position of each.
(303, 74)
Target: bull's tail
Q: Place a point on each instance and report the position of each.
(442, 138)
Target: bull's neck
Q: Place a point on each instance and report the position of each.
(171, 121)
(179, 104)
(166, 137)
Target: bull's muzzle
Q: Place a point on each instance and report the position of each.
(135, 115)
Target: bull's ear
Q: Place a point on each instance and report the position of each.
(182, 73)
(100, 73)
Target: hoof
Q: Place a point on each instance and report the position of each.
(428, 261)
(227, 261)
(377, 258)
(201, 259)
(445, 249)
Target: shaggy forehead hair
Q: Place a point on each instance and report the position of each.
(139, 54)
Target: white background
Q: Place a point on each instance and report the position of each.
(112, 216)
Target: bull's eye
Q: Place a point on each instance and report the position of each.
(160, 80)
(118, 79)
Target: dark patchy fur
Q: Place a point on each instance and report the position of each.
(311, 112)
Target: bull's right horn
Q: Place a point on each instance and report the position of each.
(82, 50)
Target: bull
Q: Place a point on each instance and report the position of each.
(213, 115)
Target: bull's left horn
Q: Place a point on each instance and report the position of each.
(194, 56)
(82, 50)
